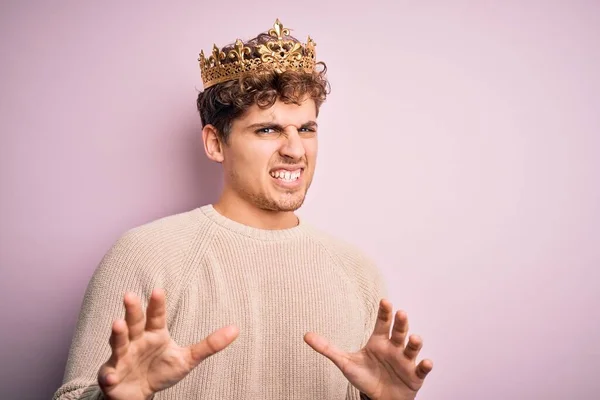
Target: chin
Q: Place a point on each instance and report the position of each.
(289, 207)
(284, 203)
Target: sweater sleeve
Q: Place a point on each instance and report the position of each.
(135, 263)
(373, 288)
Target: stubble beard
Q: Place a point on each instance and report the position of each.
(286, 201)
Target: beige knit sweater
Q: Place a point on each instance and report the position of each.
(275, 285)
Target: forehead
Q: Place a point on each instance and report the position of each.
(279, 113)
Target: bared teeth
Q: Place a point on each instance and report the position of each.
(284, 175)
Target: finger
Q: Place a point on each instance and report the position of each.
(213, 343)
(119, 340)
(119, 343)
(324, 347)
(134, 316)
(414, 345)
(424, 368)
(156, 311)
(384, 319)
(400, 329)
(107, 377)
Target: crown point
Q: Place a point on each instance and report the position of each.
(278, 30)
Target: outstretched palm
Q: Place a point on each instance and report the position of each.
(145, 359)
(385, 369)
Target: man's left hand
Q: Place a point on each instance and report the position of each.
(385, 369)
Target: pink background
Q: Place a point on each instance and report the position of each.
(459, 148)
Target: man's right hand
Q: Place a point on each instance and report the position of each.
(145, 359)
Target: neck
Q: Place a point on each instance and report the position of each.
(243, 212)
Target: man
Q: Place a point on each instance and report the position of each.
(242, 299)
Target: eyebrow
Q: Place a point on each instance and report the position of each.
(269, 124)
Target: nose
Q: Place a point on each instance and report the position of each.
(292, 146)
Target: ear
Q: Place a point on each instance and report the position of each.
(212, 144)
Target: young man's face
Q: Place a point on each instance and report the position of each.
(270, 157)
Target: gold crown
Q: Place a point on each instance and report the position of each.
(276, 54)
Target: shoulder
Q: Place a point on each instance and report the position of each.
(360, 267)
(353, 257)
(157, 249)
(168, 230)
(340, 248)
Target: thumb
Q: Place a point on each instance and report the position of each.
(322, 346)
(212, 344)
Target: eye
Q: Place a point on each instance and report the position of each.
(307, 130)
(265, 131)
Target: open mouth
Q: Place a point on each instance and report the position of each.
(287, 176)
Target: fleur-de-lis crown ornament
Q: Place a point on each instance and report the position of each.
(277, 53)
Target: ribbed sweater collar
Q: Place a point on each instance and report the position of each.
(249, 231)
